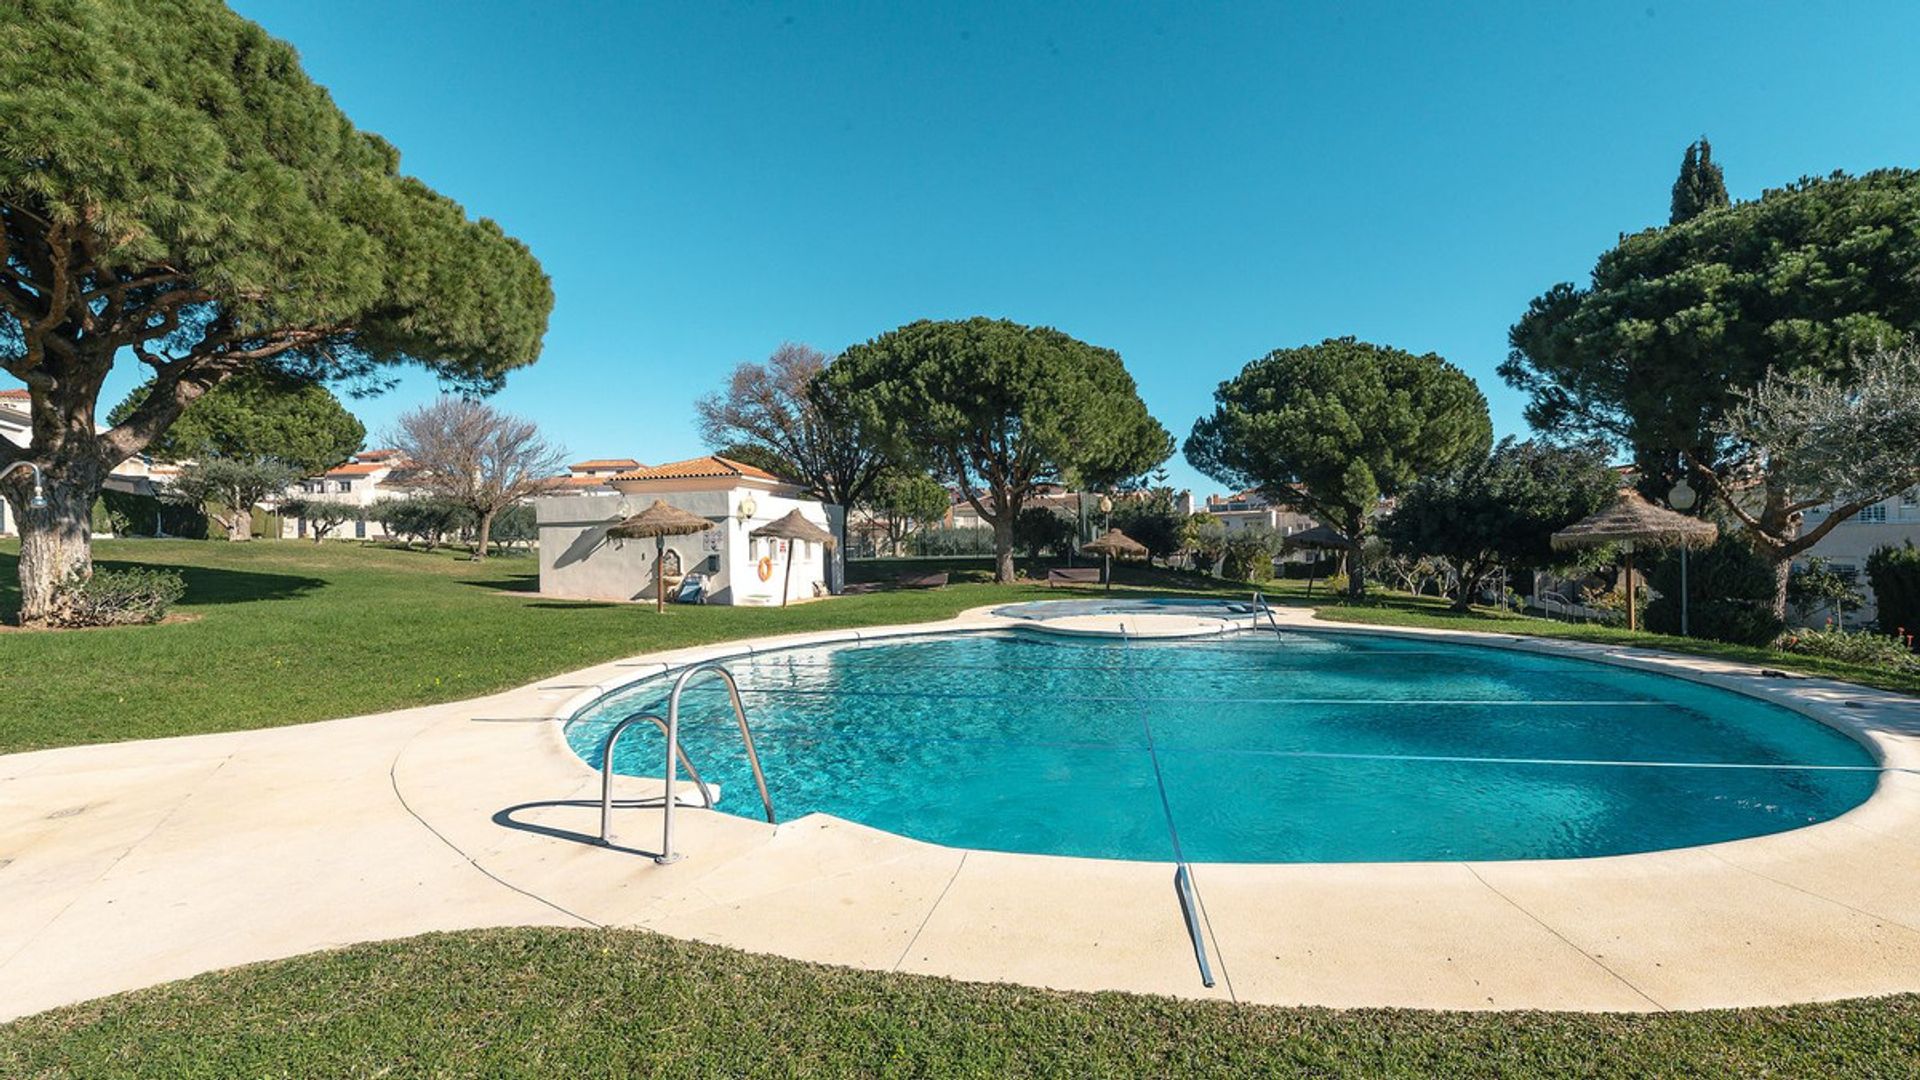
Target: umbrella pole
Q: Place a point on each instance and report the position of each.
(659, 579)
(1312, 569)
(786, 581)
(1107, 561)
(1633, 616)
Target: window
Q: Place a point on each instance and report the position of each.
(1873, 515)
(359, 528)
(346, 485)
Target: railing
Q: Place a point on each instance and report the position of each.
(1261, 606)
(676, 755)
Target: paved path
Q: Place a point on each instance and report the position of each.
(131, 864)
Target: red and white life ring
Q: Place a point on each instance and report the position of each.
(766, 568)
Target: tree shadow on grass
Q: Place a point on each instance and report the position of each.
(512, 583)
(206, 586)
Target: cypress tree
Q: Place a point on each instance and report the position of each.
(1701, 186)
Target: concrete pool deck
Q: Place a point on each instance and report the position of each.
(129, 864)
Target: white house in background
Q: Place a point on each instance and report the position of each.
(370, 477)
(579, 561)
(138, 475)
(1887, 523)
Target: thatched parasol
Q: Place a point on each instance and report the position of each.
(659, 521)
(1115, 544)
(1634, 522)
(790, 527)
(1319, 536)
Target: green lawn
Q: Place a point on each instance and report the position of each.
(285, 632)
(576, 1003)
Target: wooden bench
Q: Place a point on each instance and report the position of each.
(1078, 575)
(923, 581)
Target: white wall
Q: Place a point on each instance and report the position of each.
(577, 560)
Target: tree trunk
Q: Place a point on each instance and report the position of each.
(485, 536)
(56, 544)
(240, 525)
(1356, 570)
(1782, 573)
(1003, 572)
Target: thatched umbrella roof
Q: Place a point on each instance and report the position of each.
(1633, 520)
(793, 526)
(1116, 544)
(659, 519)
(1320, 536)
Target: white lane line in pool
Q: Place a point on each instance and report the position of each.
(802, 691)
(1457, 759)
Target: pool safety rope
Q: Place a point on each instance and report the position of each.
(1190, 910)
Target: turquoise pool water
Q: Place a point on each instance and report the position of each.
(1315, 747)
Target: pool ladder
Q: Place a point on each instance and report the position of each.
(677, 754)
(1261, 606)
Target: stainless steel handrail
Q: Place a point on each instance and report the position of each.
(674, 749)
(606, 771)
(1260, 602)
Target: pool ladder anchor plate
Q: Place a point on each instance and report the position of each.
(676, 755)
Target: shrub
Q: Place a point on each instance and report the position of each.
(1852, 646)
(1730, 594)
(971, 540)
(116, 598)
(1894, 573)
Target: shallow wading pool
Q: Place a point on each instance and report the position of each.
(1249, 747)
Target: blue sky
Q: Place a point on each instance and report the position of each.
(1192, 185)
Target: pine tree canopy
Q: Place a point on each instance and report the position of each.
(174, 185)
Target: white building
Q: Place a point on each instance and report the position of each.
(1888, 523)
(371, 477)
(578, 560)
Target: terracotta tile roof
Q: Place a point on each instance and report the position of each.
(581, 481)
(14, 395)
(699, 468)
(358, 468)
(606, 463)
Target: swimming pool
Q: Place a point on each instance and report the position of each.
(1254, 747)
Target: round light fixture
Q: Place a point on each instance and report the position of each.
(1682, 497)
(747, 507)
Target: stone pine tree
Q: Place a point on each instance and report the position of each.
(995, 409)
(175, 193)
(1700, 186)
(1334, 428)
(1677, 325)
(255, 415)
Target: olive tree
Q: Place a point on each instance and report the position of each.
(1334, 428)
(995, 409)
(227, 489)
(175, 193)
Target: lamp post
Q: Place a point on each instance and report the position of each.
(1682, 498)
